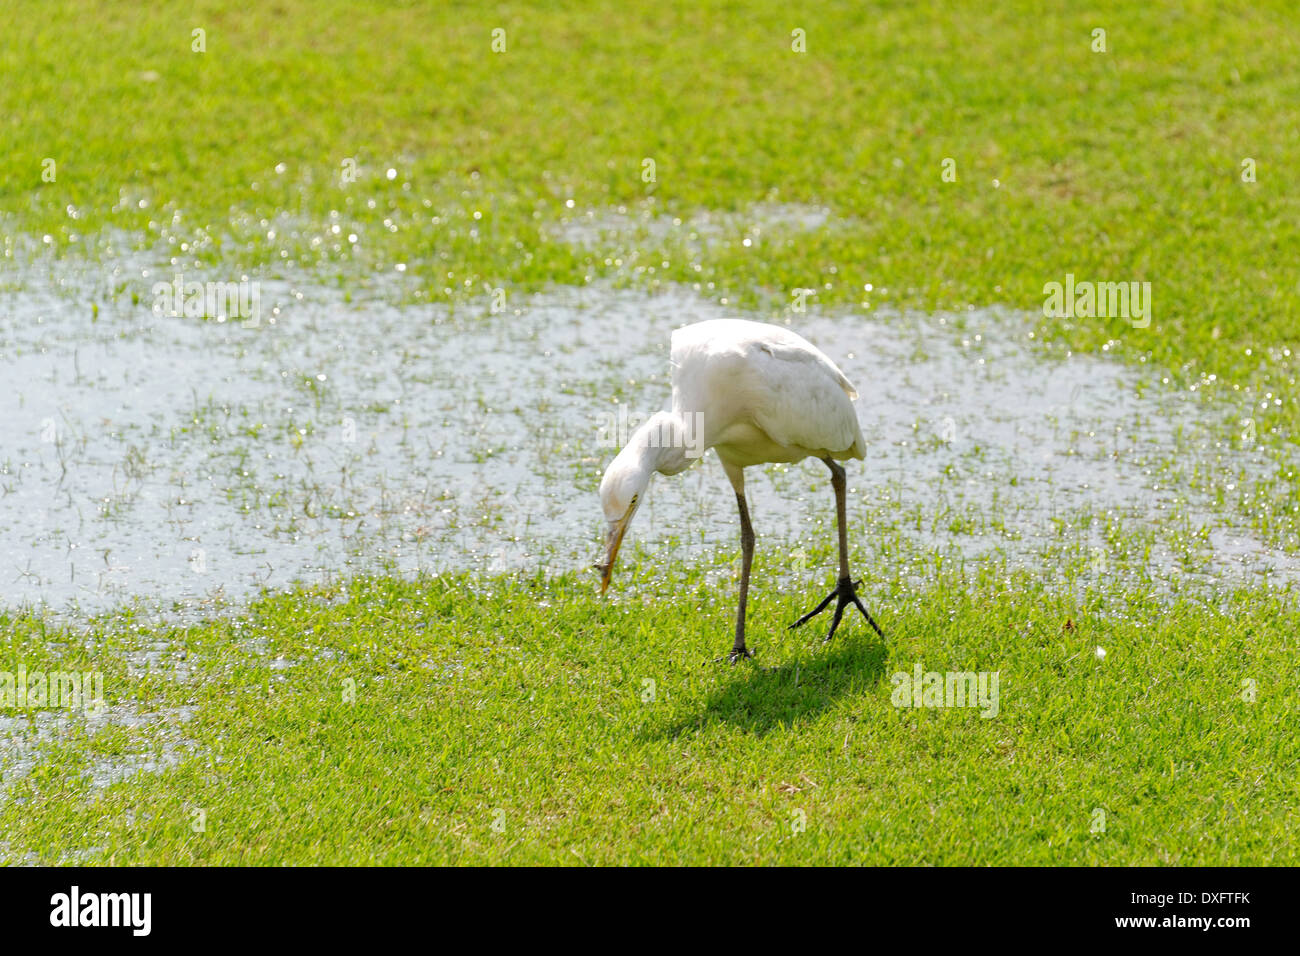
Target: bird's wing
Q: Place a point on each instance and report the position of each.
(803, 399)
(771, 376)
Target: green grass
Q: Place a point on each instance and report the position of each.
(524, 696)
(527, 703)
(1115, 165)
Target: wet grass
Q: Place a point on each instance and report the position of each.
(523, 720)
(1124, 164)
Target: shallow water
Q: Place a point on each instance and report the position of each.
(164, 459)
(178, 464)
(25, 736)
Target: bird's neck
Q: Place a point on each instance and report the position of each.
(668, 443)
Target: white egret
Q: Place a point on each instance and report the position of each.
(754, 393)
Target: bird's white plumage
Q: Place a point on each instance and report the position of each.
(754, 393)
(764, 394)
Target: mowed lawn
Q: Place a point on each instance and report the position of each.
(521, 718)
(525, 720)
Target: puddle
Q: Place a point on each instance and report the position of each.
(24, 739)
(180, 465)
(621, 225)
(170, 460)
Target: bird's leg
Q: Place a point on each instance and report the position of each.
(845, 592)
(739, 650)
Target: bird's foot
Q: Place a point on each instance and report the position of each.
(844, 595)
(737, 654)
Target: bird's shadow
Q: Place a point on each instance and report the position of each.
(759, 699)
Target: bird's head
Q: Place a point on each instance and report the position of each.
(661, 444)
(621, 490)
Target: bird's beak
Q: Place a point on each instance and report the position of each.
(613, 539)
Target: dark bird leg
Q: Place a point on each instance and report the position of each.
(739, 650)
(845, 592)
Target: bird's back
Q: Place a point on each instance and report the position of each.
(743, 377)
